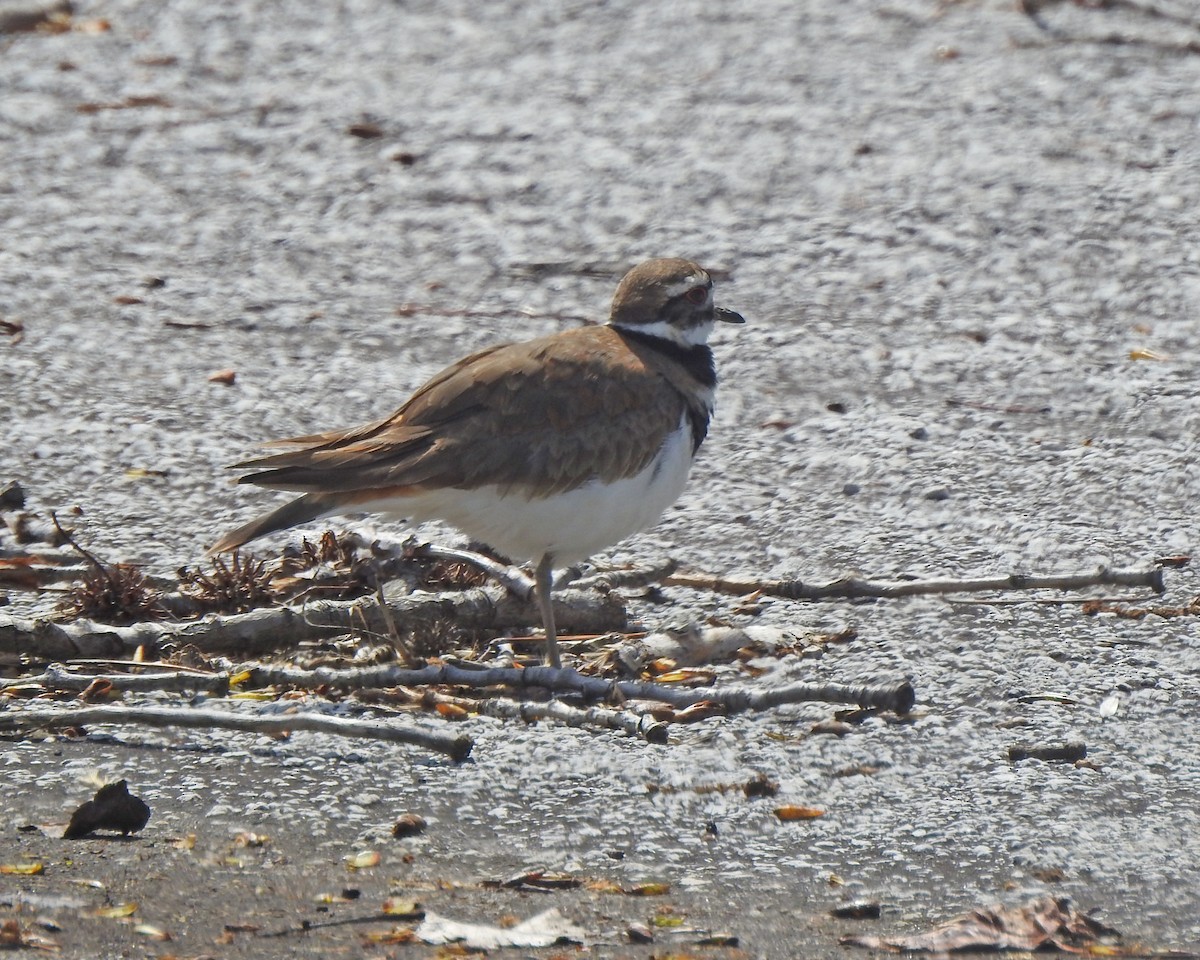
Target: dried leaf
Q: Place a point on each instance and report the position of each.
(838, 728)
(701, 710)
(362, 860)
(335, 898)
(648, 890)
(22, 869)
(409, 909)
(116, 912)
(539, 880)
(146, 473)
(789, 813)
(389, 937)
(248, 839)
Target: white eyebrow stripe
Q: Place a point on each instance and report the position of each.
(686, 284)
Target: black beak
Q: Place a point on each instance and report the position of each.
(728, 316)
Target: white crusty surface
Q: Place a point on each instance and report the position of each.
(968, 253)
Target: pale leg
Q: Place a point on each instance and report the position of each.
(543, 580)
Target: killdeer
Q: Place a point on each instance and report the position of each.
(547, 450)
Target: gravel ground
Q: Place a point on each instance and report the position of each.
(953, 233)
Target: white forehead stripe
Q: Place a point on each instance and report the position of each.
(681, 287)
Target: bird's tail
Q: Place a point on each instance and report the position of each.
(311, 506)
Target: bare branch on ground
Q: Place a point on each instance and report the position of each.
(857, 587)
(24, 721)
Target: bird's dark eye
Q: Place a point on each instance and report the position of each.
(697, 295)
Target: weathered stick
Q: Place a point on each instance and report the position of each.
(858, 587)
(23, 721)
(627, 721)
(632, 579)
(275, 627)
(897, 696)
(58, 677)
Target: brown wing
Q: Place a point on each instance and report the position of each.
(546, 414)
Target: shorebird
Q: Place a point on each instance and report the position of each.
(547, 450)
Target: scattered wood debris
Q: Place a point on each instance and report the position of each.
(1046, 924)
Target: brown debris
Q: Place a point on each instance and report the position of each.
(1126, 611)
(112, 808)
(760, 786)
(15, 937)
(858, 910)
(365, 131)
(1049, 923)
(235, 585)
(129, 103)
(408, 825)
(1070, 752)
(115, 593)
(38, 19)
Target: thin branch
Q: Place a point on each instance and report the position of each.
(897, 696)
(24, 721)
(632, 579)
(513, 579)
(857, 587)
(627, 721)
(58, 677)
(98, 569)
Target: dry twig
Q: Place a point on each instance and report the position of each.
(58, 677)
(856, 587)
(897, 696)
(24, 721)
(634, 724)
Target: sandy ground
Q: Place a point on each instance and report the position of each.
(953, 233)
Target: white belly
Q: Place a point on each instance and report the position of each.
(570, 525)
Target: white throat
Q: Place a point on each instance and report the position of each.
(693, 336)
